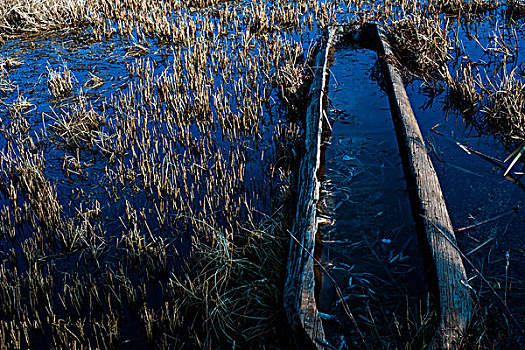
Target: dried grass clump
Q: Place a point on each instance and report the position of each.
(293, 80)
(463, 92)
(462, 7)
(505, 106)
(515, 9)
(19, 107)
(25, 184)
(5, 84)
(19, 16)
(6, 64)
(495, 104)
(421, 45)
(93, 82)
(77, 127)
(235, 293)
(9, 63)
(60, 82)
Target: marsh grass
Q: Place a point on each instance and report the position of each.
(134, 213)
(495, 104)
(78, 127)
(515, 9)
(60, 81)
(411, 325)
(236, 288)
(34, 15)
(6, 86)
(463, 8)
(10, 63)
(464, 92)
(490, 329)
(421, 45)
(491, 98)
(489, 94)
(132, 217)
(505, 107)
(93, 82)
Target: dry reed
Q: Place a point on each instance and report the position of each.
(140, 206)
(170, 158)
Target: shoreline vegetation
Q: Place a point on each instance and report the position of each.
(147, 195)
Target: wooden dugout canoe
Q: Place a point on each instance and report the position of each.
(434, 228)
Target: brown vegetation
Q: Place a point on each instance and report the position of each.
(139, 209)
(155, 197)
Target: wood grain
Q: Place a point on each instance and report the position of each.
(299, 290)
(428, 207)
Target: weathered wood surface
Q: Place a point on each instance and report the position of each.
(428, 205)
(299, 293)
